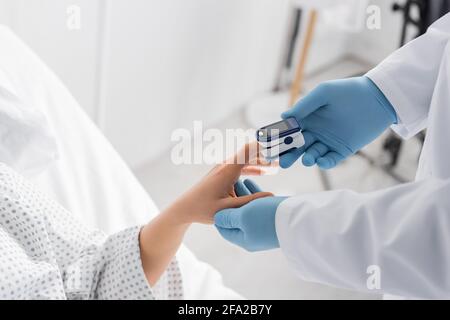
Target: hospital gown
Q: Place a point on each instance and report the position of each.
(45, 253)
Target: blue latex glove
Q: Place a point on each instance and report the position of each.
(339, 118)
(252, 226)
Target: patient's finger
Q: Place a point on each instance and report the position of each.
(227, 218)
(248, 153)
(288, 159)
(240, 201)
(240, 189)
(252, 186)
(262, 162)
(253, 171)
(314, 152)
(239, 164)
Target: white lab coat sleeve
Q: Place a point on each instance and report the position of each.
(408, 77)
(336, 237)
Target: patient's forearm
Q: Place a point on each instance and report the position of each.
(159, 242)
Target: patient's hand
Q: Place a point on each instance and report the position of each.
(161, 238)
(216, 190)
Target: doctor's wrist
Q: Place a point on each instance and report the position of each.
(389, 109)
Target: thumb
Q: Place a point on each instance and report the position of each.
(307, 105)
(228, 219)
(235, 236)
(288, 159)
(241, 201)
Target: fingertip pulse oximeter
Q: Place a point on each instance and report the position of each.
(279, 138)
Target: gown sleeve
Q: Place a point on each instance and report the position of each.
(88, 263)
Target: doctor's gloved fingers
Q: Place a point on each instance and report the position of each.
(241, 189)
(228, 219)
(330, 160)
(308, 104)
(252, 186)
(235, 236)
(288, 159)
(314, 152)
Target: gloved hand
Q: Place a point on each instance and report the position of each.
(252, 226)
(339, 118)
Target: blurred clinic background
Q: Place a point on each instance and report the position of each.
(142, 68)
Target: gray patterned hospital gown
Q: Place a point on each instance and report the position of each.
(45, 253)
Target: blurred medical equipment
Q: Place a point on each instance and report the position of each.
(297, 83)
(418, 14)
(90, 179)
(278, 138)
(345, 15)
(267, 107)
(290, 81)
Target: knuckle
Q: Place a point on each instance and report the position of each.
(244, 219)
(326, 88)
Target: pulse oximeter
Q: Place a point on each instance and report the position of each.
(279, 138)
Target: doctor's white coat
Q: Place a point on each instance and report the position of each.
(334, 237)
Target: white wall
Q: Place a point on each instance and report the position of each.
(330, 41)
(374, 45)
(197, 59)
(141, 68)
(72, 54)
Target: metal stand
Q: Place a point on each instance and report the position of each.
(407, 9)
(393, 144)
(428, 12)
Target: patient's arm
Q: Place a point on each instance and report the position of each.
(161, 238)
(46, 253)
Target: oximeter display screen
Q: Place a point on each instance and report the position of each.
(278, 130)
(280, 126)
